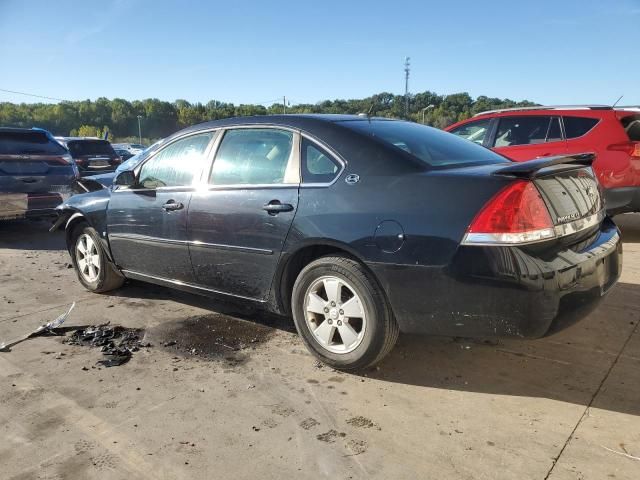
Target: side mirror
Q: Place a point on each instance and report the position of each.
(125, 178)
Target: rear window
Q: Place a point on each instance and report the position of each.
(575, 127)
(90, 147)
(29, 143)
(631, 125)
(434, 147)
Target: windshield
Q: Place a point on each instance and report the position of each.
(434, 147)
(29, 143)
(132, 162)
(90, 147)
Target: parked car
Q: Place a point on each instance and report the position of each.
(358, 227)
(123, 154)
(92, 155)
(133, 148)
(36, 173)
(105, 180)
(613, 134)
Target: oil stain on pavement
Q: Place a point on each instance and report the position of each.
(213, 336)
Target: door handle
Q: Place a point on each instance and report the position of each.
(274, 207)
(172, 205)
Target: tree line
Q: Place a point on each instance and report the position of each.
(160, 118)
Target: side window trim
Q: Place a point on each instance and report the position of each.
(292, 169)
(197, 181)
(334, 156)
(489, 138)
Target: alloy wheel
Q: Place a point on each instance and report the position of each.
(335, 314)
(87, 258)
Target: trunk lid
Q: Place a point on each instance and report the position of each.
(567, 185)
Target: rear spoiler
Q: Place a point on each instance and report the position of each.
(532, 168)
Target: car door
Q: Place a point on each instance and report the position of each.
(238, 223)
(147, 223)
(527, 137)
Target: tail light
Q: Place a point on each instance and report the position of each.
(514, 216)
(630, 148)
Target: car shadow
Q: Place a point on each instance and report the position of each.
(569, 366)
(27, 234)
(629, 224)
(240, 309)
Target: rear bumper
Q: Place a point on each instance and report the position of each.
(23, 205)
(622, 200)
(504, 291)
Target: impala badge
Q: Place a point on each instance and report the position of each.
(571, 216)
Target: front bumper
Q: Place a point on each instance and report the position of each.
(622, 200)
(504, 291)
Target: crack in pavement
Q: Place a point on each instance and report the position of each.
(588, 407)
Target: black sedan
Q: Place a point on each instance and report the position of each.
(357, 227)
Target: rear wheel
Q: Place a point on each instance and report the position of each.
(92, 265)
(341, 313)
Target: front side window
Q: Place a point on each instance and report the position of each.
(532, 130)
(177, 164)
(474, 131)
(318, 166)
(253, 156)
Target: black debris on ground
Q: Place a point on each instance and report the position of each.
(115, 342)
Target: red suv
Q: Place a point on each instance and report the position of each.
(613, 134)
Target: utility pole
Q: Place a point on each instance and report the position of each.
(406, 87)
(284, 105)
(139, 129)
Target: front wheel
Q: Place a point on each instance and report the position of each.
(95, 271)
(342, 314)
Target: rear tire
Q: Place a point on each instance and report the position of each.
(342, 314)
(95, 272)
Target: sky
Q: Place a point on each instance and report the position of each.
(241, 51)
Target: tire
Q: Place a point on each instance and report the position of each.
(369, 316)
(95, 272)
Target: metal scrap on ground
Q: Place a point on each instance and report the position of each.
(46, 329)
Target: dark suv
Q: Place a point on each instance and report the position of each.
(612, 133)
(92, 155)
(36, 173)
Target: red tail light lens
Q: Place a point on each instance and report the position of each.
(630, 148)
(516, 215)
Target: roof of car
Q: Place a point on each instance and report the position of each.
(309, 122)
(21, 130)
(74, 139)
(557, 107)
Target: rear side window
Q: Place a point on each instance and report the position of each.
(575, 127)
(631, 125)
(177, 164)
(253, 156)
(531, 130)
(318, 166)
(434, 147)
(89, 147)
(29, 143)
(474, 131)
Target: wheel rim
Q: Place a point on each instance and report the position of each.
(335, 314)
(87, 258)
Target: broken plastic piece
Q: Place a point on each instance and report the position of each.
(47, 328)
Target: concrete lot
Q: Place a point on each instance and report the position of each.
(565, 407)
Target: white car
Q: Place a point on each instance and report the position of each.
(134, 148)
